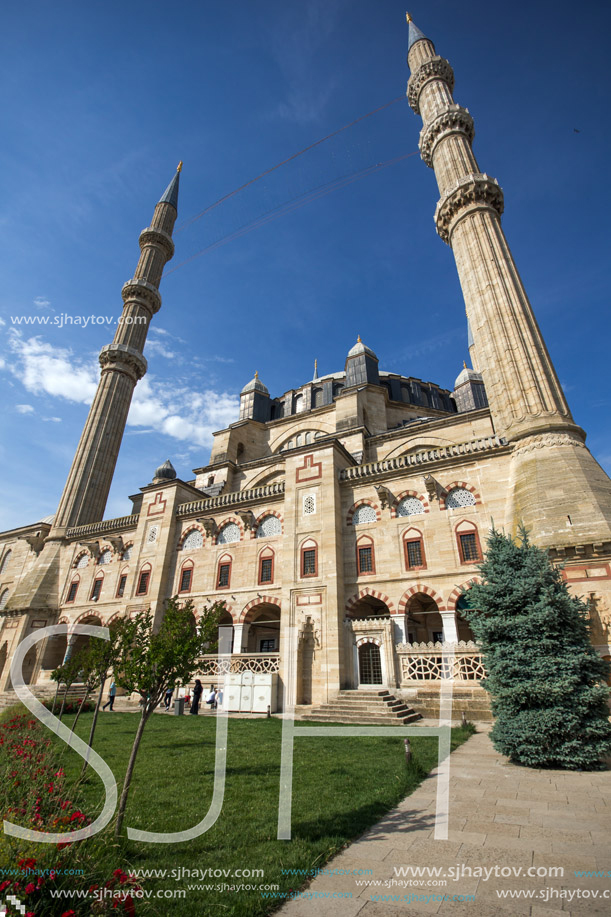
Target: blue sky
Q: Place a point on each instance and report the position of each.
(101, 100)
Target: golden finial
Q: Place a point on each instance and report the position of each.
(358, 340)
(315, 366)
(464, 363)
(256, 374)
(179, 166)
(408, 17)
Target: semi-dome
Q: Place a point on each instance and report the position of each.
(165, 472)
(360, 348)
(255, 385)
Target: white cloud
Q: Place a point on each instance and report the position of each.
(24, 408)
(52, 419)
(2, 322)
(172, 408)
(41, 303)
(158, 348)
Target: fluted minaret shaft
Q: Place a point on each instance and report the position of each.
(122, 365)
(523, 389)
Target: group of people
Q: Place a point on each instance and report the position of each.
(213, 698)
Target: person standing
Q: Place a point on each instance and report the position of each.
(197, 693)
(168, 696)
(111, 696)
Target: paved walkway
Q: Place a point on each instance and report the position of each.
(500, 815)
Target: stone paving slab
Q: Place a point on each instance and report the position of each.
(501, 817)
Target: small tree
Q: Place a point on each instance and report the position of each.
(102, 657)
(545, 678)
(66, 673)
(148, 662)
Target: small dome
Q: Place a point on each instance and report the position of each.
(359, 348)
(165, 472)
(255, 385)
(467, 375)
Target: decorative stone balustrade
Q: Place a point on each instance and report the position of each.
(421, 662)
(259, 663)
(209, 504)
(99, 528)
(424, 457)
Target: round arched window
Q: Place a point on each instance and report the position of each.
(459, 496)
(269, 525)
(229, 533)
(410, 506)
(364, 513)
(193, 541)
(82, 561)
(5, 561)
(105, 557)
(4, 598)
(127, 553)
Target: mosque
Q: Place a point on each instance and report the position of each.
(338, 522)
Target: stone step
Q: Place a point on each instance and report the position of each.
(360, 720)
(337, 707)
(364, 692)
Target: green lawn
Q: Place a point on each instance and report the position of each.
(341, 786)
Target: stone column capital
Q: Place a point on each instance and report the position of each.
(437, 68)
(476, 191)
(125, 359)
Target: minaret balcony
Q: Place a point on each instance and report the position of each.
(477, 191)
(143, 293)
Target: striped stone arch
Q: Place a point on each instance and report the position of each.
(425, 590)
(261, 516)
(363, 593)
(446, 491)
(64, 620)
(226, 607)
(194, 526)
(363, 640)
(79, 555)
(363, 502)
(264, 600)
(91, 613)
(408, 493)
(224, 522)
(458, 591)
(116, 617)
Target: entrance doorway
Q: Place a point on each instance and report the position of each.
(370, 664)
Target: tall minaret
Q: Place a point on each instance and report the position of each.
(553, 474)
(123, 364)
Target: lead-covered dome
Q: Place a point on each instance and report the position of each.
(255, 385)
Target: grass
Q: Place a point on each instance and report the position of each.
(341, 786)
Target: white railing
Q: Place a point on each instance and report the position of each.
(420, 662)
(99, 528)
(268, 491)
(259, 663)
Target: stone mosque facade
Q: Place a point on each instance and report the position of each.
(339, 522)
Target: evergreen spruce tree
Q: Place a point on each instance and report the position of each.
(546, 680)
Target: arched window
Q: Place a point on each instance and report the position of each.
(266, 567)
(122, 582)
(459, 497)
(410, 506)
(467, 539)
(105, 557)
(3, 598)
(193, 541)
(269, 525)
(127, 553)
(5, 561)
(82, 561)
(73, 589)
(365, 556)
(186, 577)
(228, 534)
(144, 579)
(364, 513)
(298, 404)
(223, 573)
(413, 547)
(309, 558)
(97, 588)
(317, 397)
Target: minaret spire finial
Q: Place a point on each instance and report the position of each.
(179, 166)
(315, 376)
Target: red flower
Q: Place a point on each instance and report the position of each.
(27, 864)
(61, 846)
(30, 888)
(4, 884)
(69, 914)
(118, 873)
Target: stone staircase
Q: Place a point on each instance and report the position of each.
(364, 707)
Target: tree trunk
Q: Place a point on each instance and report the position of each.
(130, 769)
(55, 698)
(95, 720)
(63, 703)
(78, 712)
